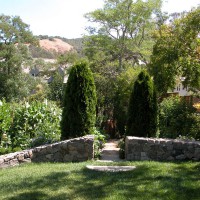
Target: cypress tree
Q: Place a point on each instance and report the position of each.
(142, 111)
(79, 104)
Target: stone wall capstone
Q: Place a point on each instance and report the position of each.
(137, 148)
(74, 150)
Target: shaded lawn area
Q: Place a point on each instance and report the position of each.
(52, 181)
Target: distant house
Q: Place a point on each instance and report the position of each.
(183, 91)
(48, 76)
(180, 89)
(34, 72)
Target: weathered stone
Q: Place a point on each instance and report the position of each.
(9, 157)
(170, 158)
(180, 157)
(144, 156)
(177, 145)
(13, 162)
(27, 160)
(5, 165)
(189, 155)
(49, 156)
(57, 157)
(161, 149)
(30, 153)
(169, 147)
(79, 149)
(67, 158)
(20, 157)
(1, 161)
(64, 145)
(72, 146)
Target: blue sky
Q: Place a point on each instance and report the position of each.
(65, 17)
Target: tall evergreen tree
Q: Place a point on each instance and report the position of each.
(142, 112)
(79, 112)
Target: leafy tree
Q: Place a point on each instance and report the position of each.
(55, 92)
(14, 34)
(70, 57)
(142, 112)
(123, 31)
(123, 89)
(120, 37)
(176, 53)
(17, 87)
(79, 104)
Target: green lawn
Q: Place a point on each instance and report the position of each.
(150, 180)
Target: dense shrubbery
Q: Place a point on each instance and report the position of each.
(142, 112)
(79, 112)
(25, 125)
(177, 118)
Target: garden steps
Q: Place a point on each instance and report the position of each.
(110, 152)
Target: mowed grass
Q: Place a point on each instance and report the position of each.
(52, 181)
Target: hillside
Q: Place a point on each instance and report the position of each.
(55, 45)
(50, 46)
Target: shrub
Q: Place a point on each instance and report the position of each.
(35, 123)
(25, 125)
(55, 92)
(79, 105)
(99, 140)
(124, 85)
(177, 118)
(142, 112)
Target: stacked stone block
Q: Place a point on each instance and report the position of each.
(137, 148)
(74, 150)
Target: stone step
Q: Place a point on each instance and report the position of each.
(110, 152)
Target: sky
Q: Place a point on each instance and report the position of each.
(65, 18)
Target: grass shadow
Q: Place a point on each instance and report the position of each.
(150, 180)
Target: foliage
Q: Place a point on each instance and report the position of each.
(79, 104)
(115, 43)
(142, 111)
(18, 87)
(70, 57)
(123, 88)
(29, 124)
(124, 36)
(13, 54)
(99, 140)
(5, 124)
(177, 118)
(55, 92)
(176, 53)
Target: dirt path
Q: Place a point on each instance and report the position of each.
(110, 152)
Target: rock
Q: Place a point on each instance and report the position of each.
(49, 156)
(68, 158)
(170, 158)
(27, 160)
(1, 161)
(180, 157)
(13, 162)
(20, 157)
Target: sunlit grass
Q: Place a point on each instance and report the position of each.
(150, 180)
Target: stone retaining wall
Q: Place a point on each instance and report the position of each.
(74, 150)
(137, 148)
